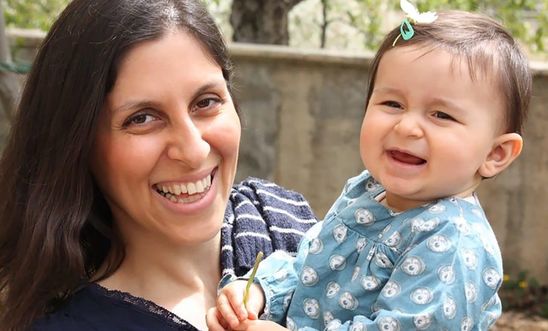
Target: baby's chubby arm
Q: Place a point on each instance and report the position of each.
(230, 310)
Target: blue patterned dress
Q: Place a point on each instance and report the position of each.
(435, 267)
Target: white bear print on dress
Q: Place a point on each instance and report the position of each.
(348, 301)
(332, 289)
(491, 278)
(394, 239)
(446, 274)
(316, 246)
(358, 326)
(388, 324)
(390, 289)
(360, 244)
(309, 276)
(421, 296)
(311, 308)
(438, 243)
(370, 185)
(470, 292)
(466, 324)
(422, 322)
(337, 262)
(413, 266)
(364, 217)
(449, 308)
(470, 259)
(369, 283)
(421, 225)
(339, 233)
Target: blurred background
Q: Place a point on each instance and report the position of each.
(301, 77)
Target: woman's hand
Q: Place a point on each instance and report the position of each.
(231, 311)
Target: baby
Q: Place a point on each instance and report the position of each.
(407, 245)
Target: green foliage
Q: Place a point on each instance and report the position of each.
(522, 293)
(32, 14)
(526, 19)
(369, 25)
(366, 21)
(356, 24)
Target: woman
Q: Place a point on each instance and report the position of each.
(118, 210)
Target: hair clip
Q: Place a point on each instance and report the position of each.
(413, 16)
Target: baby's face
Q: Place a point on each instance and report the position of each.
(429, 127)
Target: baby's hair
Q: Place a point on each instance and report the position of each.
(486, 47)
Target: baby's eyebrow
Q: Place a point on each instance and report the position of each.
(386, 89)
(447, 103)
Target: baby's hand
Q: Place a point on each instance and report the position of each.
(231, 311)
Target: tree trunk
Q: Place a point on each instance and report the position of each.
(261, 21)
(324, 23)
(9, 86)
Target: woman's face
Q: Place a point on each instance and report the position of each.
(167, 144)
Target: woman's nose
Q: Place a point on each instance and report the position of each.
(187, 144)
(409, 126)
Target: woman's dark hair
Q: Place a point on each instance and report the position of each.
(484, 45)
(55, 227)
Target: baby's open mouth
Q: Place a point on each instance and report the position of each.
(406, 157)
(185, 192)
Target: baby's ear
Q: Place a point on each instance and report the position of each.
(506, 148)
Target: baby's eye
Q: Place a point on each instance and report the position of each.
(392, 104)
(443, 116)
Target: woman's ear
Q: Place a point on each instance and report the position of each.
(506, 149)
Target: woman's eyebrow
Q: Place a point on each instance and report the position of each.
(133, 104)
(213, 84)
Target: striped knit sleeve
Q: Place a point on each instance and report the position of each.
(261, 216)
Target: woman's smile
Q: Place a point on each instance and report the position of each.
(185, 192)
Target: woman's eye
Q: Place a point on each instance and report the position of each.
(207, 103)
(139, 119)
(443, 116)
